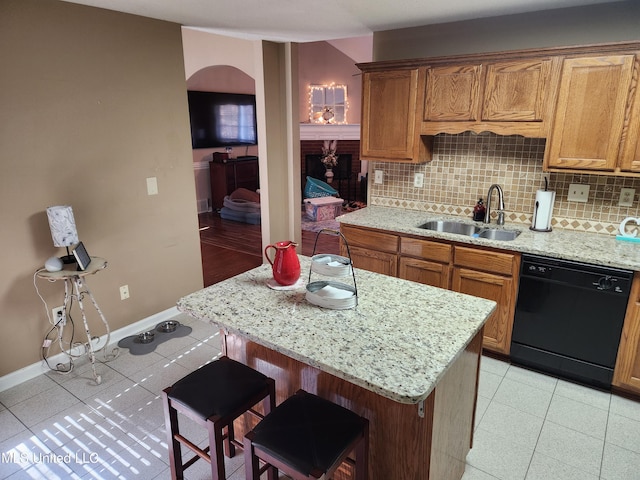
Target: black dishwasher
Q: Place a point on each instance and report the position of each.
(569, 318)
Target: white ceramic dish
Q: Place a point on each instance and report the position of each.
(333, 295)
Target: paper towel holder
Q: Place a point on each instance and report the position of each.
(536, 212)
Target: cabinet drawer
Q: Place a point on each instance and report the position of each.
(487, 260)
(360, 237)
(374, 261)
(439, 252)
(423, 271)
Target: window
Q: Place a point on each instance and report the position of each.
(328, 103)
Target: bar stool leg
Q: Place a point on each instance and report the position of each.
(215, 452)
(229, 447)
(252, 463)
(175, 451)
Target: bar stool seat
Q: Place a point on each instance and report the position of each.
(213, 396)
(307, 437)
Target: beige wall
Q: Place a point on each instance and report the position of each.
(464, 166)
(608, 22)
(93, 103)
(322, 64)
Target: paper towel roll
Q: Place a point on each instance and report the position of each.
(543, 211)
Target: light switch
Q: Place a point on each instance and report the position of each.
(152, 186)
(378, 177)
(418, 180)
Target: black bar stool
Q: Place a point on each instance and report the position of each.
(213, 396)
(307, 437)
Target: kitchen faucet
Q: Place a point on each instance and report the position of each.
(487, 215)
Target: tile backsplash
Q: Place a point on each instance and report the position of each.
(464, 166)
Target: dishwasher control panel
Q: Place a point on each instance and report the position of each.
(576, 274)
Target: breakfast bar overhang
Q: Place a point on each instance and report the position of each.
(407, 358)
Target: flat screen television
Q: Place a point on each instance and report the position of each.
(222, 119)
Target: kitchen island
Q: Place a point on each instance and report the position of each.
(407, 358)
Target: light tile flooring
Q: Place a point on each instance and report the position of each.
(528, 426)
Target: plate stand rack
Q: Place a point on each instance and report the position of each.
(343, 270)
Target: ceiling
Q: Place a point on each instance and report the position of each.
(315, 20)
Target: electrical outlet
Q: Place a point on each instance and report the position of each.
(626, 197)
(58, 315)
(378, 177)
(418, 180)
(124, 292)
(578, 193)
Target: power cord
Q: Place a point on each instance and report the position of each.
(57, 326)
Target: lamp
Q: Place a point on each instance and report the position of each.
(63, 229)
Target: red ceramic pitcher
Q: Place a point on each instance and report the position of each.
(285, 265)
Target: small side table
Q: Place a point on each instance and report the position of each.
(75, 287)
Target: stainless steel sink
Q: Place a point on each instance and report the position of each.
(461, 228)
(497, 234)
(445, 226)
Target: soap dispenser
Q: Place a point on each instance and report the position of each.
(479, 211)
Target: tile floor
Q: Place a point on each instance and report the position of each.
(529, 426)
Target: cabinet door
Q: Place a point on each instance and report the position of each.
(516, 91)
(497, 330)
(422, 271)
(630, 157)
(590, 112)
(627, 372)
(388, 114)
(452, 93)
(372, 260)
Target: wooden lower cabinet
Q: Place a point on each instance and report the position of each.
(492, 275)
(480, 272)
(500, 289)
(627, 371)
(374, 261)
(425, 261)
(424, 271)
(371, 250)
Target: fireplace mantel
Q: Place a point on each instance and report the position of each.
(311, 131)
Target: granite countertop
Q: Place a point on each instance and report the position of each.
(590, 248)
(397, 342)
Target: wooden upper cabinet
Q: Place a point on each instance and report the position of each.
(590, 112)
(630, 157)
(388, 130)
(516, 91)
(452, 93)
(504, 97)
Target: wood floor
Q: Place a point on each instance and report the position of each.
(230, 248)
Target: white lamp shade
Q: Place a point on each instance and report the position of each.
(62, 225)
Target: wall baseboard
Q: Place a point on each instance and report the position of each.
(32, 371)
